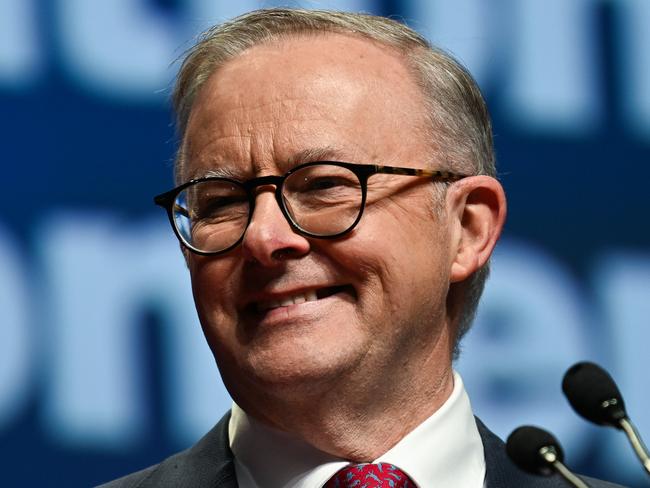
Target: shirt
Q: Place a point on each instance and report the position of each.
(443, 451)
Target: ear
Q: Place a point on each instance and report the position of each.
(477, 213)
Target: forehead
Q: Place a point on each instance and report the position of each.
(318, 94)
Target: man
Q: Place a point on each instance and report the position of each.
(337, 209)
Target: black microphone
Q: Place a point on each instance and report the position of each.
(536, 451)
(593, 394)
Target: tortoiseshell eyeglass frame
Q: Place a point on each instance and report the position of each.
(167, 200)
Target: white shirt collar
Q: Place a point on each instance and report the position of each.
(444, 450)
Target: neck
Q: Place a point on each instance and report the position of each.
(363, 429)
(363, 436)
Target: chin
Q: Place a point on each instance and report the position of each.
(293, 375)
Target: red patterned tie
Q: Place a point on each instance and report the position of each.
(381, 475)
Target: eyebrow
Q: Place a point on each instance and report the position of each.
(222, 172)
(326, 153)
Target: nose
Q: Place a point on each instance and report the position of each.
(269, 239)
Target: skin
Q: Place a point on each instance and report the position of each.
(354, 372)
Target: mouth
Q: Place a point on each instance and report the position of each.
(298, 298)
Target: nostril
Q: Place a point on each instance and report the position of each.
(272, 246)
(282, 254)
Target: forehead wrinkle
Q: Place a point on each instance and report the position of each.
(226, 105)
(196, 160)
(219, 139)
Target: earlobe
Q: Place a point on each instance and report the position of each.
(479, 212)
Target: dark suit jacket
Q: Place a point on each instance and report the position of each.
(209, 463)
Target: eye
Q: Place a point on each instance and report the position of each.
(208, 207)
(321, 177)
(326, 183)
(214, 200)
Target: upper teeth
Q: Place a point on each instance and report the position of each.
(308, 296)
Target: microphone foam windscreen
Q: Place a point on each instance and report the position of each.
(592, 393)
(523, 448)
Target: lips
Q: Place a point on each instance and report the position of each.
(308, 296)
(311, 295)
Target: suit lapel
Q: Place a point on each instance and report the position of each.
(217, 466)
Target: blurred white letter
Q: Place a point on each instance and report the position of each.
(15, 350)
(19, 48)
(102, 275)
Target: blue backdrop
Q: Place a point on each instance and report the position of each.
(103, 369)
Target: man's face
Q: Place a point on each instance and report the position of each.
(290, 318)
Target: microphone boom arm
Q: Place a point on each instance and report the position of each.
(635, 440)
(550, 456)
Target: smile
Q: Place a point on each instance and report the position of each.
(300, 297)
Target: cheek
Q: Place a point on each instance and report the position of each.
(399, 262)
(373, 261)
(213, 293)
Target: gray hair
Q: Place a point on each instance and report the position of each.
(460, 125)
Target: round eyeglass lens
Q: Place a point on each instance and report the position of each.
(211, 215)
(323, 199)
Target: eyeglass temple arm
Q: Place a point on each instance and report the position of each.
(436, 175)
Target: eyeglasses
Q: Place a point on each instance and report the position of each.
(323, 199)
